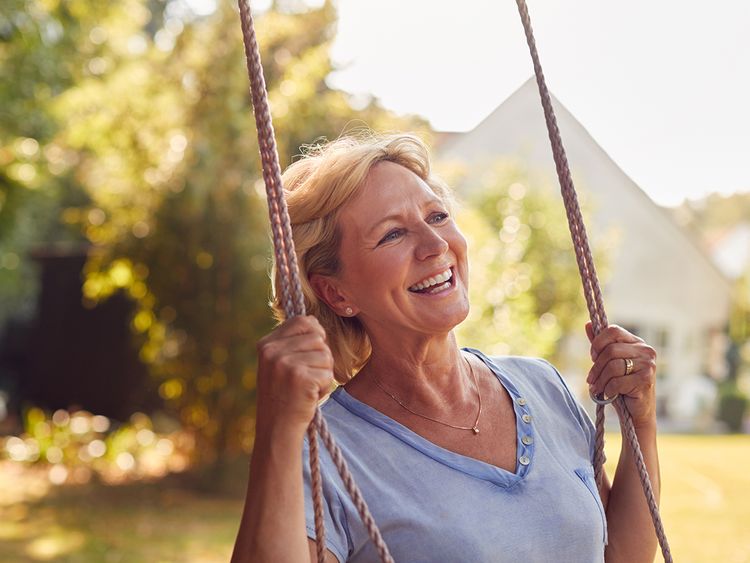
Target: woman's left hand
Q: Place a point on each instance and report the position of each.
(609, 351)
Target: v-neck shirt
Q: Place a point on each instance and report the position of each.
(435, 505)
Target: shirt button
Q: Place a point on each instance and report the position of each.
(526, 418)
(521, 401)
(527, 440)
(524, 460)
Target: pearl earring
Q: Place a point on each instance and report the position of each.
(349, 311)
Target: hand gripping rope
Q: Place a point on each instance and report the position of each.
(293, 300)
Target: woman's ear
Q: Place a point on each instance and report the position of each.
(327, 290)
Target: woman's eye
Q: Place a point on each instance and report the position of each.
(393, 235)
(438, 217)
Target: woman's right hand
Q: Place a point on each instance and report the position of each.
(295, 371)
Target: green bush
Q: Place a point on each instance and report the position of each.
(76, 446)
(732, 406)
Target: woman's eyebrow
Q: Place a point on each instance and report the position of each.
(385, 219)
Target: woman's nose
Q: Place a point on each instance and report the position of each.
(430, 243)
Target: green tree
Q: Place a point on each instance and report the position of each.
(167, 153)
(714, 214)
(39, 59)
(525, 287)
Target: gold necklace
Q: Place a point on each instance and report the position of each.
(474, 428)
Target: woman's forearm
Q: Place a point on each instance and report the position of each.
(632, 538)
(273, 522)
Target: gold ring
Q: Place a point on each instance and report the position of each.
(628, 366)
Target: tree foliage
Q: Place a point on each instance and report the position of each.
(713, 214)
(167, 154)
(132, 121)
(39, 59)
(525, 287)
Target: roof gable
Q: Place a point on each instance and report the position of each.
(516, 127)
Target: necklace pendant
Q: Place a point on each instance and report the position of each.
(475, 430)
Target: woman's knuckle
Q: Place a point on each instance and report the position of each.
(607, 355)
(285, 364)
(320, 341)
(297, 374)
(265, 348)
(324, 378)
(312, 322)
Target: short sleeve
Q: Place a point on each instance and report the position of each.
(583, 418)
(336, 528)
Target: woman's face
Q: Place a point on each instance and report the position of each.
(404, 266)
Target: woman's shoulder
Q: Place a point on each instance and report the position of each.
(346, 417)
(526, 367)
(532, 376)
(530, 365)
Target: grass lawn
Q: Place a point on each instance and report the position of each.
(705, 507)
(705, 503)
(139, 523)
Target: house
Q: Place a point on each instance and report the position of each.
(661, 285)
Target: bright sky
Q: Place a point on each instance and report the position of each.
(664, 87)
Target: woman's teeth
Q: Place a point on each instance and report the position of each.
(434, 284)
(439, 288)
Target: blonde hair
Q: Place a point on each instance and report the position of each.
(316, 187)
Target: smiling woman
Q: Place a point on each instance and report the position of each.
(346, 198)
(460, 456)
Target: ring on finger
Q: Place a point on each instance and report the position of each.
(628, 366)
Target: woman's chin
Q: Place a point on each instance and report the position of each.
(448, 320)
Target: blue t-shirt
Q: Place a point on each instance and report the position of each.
(434, 505)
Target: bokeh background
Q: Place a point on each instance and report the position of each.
(135, 257)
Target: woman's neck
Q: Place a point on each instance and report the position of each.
(429, 374)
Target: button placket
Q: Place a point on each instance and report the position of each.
(527, 439)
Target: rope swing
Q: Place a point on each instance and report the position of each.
(293, 300)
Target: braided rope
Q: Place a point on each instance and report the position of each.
(291, 289)
(591, 288)
(317, 492)
(354, 492)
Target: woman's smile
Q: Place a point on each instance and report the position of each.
(435, 285)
